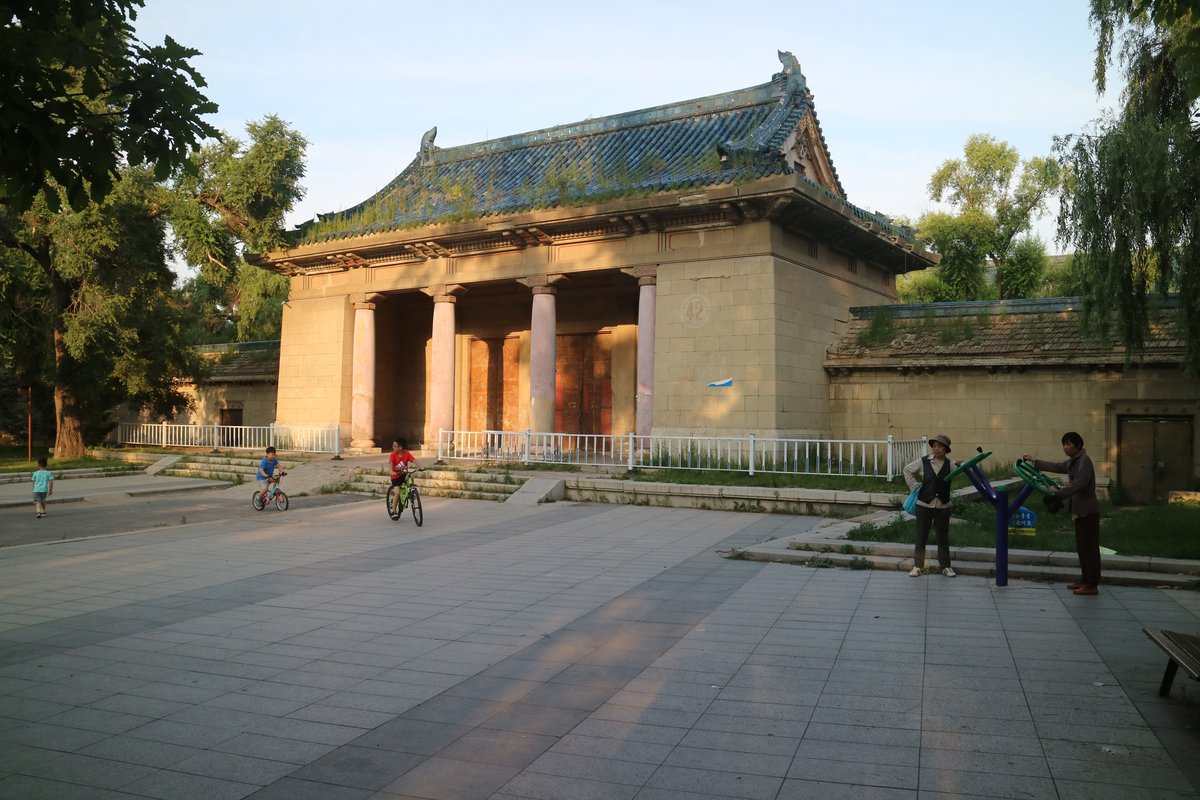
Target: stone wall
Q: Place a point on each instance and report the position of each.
(315, 361)
(1010, 412)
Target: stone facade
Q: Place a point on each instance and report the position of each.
(592, 278)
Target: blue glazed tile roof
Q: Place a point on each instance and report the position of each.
(727, 138)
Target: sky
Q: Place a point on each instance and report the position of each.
(898, 86)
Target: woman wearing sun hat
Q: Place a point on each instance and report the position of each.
(933, 502)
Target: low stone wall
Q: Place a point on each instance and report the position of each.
(814, 502)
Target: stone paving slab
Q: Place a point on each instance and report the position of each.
(564, 651)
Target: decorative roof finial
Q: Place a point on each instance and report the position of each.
(789, 61)
(427, 147)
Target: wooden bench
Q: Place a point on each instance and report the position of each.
(1182, 649)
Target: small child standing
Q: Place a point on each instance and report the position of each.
(43, 486)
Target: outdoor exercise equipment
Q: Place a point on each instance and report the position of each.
(998, 497)
(1040, 481)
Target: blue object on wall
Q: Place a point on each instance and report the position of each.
(722, 384)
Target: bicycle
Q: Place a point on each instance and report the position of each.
(273, 494)
(405, 495)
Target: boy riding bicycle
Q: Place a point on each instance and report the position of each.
(266, 473)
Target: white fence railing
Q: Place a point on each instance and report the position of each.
(859, 457)
(231, 437)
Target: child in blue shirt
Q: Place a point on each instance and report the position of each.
(266, 469)
(43, 486)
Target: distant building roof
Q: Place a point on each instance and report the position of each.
(1004, 335)
(721, 139)
(242, 362)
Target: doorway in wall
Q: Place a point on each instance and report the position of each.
(583, 383)
(1154, 456)
(495, 366)
(230, 417)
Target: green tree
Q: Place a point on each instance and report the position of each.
(994, 199)
(81, 97)
(1132, 210)
(234, 201)
(93, 309)
(90, 309)
(1022, 274)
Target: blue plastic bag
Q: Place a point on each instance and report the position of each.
(910, 504)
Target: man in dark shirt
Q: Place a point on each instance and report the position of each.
(1080, 494)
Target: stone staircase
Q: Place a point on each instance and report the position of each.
(442, 483)
(231, 468)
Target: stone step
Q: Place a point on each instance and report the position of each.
(451, 481)
(66, 474)
(224, 460)
(212, 474)
(1034, 572)
(380, 487)
(447, 474)
(462, 492)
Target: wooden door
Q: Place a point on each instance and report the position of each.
(583, 383)
(1154, 456)
(494, 366)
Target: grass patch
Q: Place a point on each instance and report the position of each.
(1164, 531)
(531, 467)
(770, 480)
(13, 459)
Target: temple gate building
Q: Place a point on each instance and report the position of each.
(591, 278)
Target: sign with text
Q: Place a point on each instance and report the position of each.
(1023, 523)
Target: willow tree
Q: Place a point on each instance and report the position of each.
(1132, 210)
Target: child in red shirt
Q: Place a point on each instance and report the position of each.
(399, 460)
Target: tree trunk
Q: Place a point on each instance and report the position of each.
(68, 441)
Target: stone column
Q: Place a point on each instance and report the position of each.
(441, 379)
(543, 346)
(647, 299)
(362, 407)
(543, 352)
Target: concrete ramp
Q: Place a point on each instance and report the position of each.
(538, 490)
(162, 463)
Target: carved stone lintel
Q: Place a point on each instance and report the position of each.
(542, 281)
(365, 299)
(445, 292)
(647, 274)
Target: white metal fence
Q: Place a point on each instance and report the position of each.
(231, 437)
(859, 457)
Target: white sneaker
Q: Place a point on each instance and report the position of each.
(915, 572)
(949, 573)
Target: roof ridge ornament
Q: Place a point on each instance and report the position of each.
(427, 148)
(758, 143)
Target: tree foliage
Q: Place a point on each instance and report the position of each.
(994, 199)
(81, 97)
(235, 200)
(90, 309)
(94, 125)
(1133, 209)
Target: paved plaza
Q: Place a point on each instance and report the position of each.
(563, 652)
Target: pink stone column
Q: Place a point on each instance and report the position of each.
(362, 407)
(542, 354)
(647, 299)
(441, 385)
